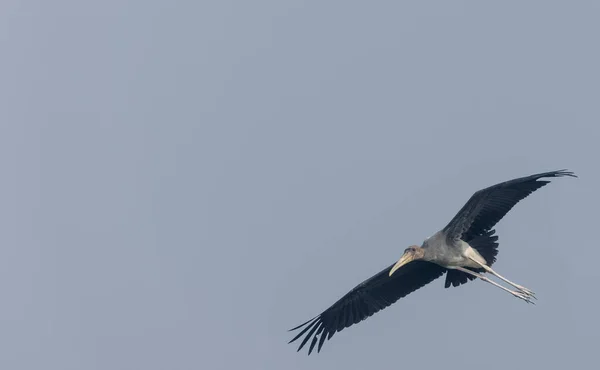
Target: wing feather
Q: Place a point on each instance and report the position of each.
(488, 206)
(367, 298)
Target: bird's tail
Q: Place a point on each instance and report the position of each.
(487, 245)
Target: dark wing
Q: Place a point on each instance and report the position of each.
(487, 206)
(367, 298)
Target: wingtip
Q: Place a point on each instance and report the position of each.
(563, 172)
(301, 325)
(313, 325)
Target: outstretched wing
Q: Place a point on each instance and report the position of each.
(487, 206)
(367, 298)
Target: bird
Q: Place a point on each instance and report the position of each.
(464, 250)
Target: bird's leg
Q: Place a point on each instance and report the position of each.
(519, 287)
(517, 294)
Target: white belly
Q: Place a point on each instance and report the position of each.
(465, 259)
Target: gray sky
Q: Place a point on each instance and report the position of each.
(184, 181)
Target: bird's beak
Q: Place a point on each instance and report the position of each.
(406, 258)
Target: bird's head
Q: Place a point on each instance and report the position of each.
(412, 253)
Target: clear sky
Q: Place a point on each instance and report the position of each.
(183, 181)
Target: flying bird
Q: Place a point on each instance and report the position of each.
(464, 250)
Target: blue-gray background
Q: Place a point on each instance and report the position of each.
(183, 181)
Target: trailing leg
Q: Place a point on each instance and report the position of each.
(518, 294)
(519, 287)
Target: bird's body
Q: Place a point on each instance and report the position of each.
(463, 250)
(438, 250)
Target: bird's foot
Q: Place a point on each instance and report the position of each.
(523, 296)
(525, 291)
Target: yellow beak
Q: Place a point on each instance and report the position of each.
(406, 258)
